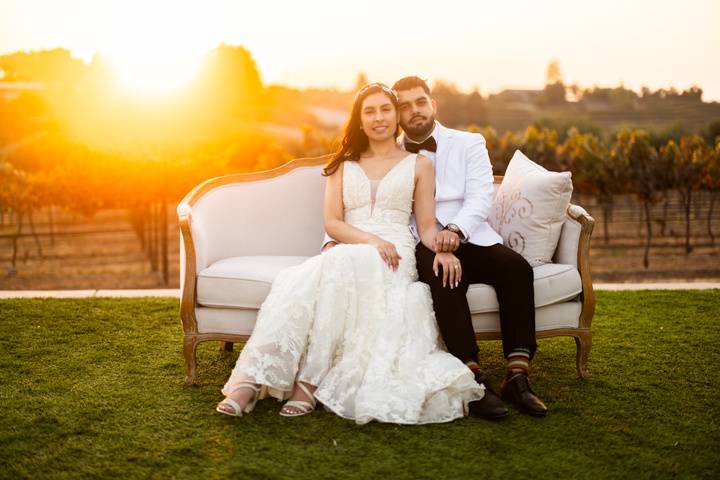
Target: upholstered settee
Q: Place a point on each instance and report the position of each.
(239, 231)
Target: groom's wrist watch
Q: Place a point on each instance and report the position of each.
(455, 229)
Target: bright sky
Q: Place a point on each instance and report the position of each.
(492, 45)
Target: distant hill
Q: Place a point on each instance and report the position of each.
(688, 115)
(602, 110)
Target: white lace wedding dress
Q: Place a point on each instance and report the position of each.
(363, 333)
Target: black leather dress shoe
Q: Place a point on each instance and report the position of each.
(490, 407)
(517, 391)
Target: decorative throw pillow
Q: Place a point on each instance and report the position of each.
(529, 209)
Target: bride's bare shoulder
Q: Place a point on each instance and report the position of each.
(423, 166)
(337, 174)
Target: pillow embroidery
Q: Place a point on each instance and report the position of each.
(509, 207)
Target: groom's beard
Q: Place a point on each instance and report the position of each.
(421, 130)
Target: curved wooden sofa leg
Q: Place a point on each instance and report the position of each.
(190, 351)
(583, 342)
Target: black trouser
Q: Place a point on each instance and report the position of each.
(498, 266)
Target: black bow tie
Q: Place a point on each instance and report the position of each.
(429, 144)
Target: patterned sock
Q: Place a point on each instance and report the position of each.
(518, 362)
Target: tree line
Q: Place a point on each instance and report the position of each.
(631, 163)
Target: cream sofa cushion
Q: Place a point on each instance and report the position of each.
(244, 282)
(241, 282)
(549, 317)
(529, 208)
(233, 321)
(553, 283)
(241, 321)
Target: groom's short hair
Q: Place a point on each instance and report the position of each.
(406, 83)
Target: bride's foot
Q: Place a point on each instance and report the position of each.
(241, 400)
(301, 402)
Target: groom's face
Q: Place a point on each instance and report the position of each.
(417, 112)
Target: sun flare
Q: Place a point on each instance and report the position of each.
(158, 48)
(153, 74)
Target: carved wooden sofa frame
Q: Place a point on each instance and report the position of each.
(192, 336)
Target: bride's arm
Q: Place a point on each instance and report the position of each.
(333, 215)
(424, 202)
(424, 206)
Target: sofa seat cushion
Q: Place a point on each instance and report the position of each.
(554, 282)
(241, 321)
(244, 282)
(241, 282)
(549, 317)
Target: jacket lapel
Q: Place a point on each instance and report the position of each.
(441, 160)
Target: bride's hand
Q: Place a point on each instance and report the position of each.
(451, 268)
(387, 251)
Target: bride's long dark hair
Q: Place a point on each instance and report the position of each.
(355, 141)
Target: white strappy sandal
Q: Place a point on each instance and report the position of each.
(301, 405)
(237, 409)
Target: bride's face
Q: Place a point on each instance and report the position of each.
(378, 117)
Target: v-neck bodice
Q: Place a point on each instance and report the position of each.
(373, 192)
(393, 200)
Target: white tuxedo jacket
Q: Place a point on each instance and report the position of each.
(463, 184)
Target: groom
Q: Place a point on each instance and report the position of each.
(464, 190)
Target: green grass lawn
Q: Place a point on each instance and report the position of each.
(94, 388)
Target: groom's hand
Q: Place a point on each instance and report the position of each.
(446, 241)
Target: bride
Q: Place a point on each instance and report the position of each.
(352, 327)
